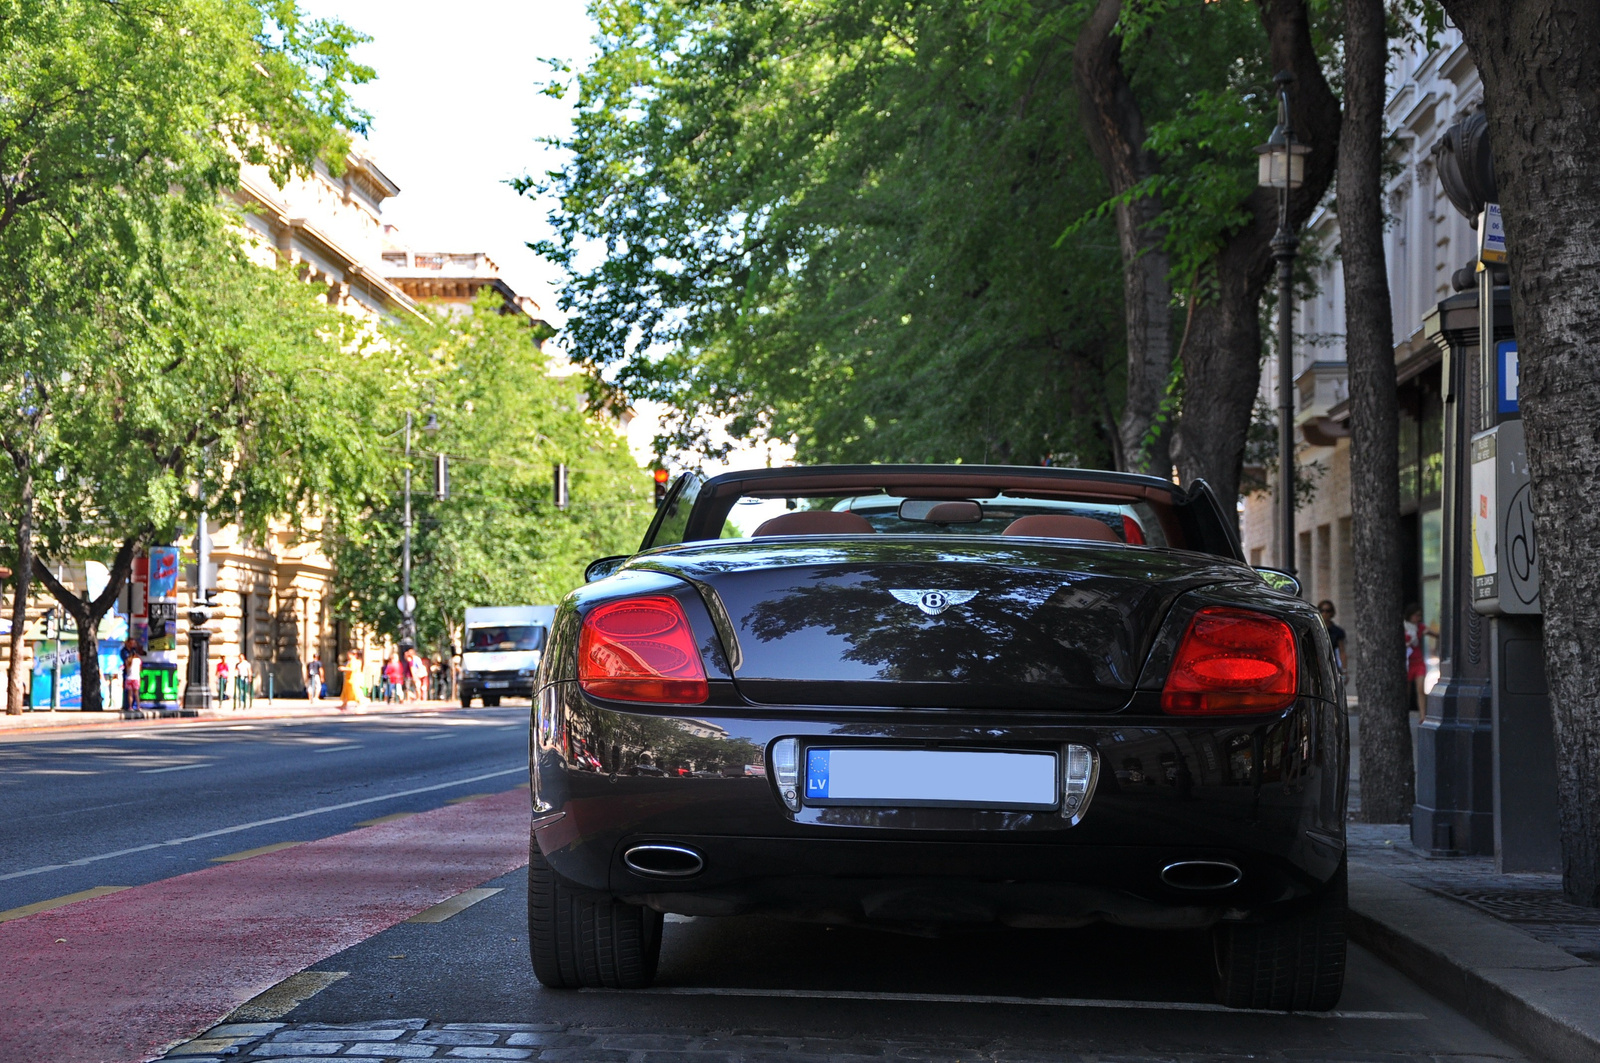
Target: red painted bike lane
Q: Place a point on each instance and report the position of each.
(120, 978)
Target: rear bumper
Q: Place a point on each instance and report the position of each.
(1266, 796)
(503, 684)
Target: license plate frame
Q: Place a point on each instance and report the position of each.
(1020, 780)
(497, 684)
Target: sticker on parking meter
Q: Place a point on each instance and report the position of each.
(1485, 559)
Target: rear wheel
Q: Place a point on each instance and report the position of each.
(491, 701)
(1288, 964)
(466, 701)
(587, 939)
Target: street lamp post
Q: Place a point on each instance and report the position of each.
(1282, 165)
(408, 604)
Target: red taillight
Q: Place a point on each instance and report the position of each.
(1232, 661)
(1132, 534)
(640, 649)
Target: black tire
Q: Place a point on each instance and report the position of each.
(491, 701)
(1294, 963)
(466, 701)
(579, 939)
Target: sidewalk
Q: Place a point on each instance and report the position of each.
(1509, 950)
(279, 708)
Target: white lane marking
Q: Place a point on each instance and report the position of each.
(431, 738)
(83, 860)
(180, 767)
(335, 749)
(1041, 1002)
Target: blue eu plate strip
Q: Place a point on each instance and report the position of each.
(817, 773)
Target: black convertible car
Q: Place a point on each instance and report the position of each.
(929, 696)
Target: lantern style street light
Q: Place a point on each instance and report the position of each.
(1282, 165)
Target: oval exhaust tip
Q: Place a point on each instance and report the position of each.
(1201, 875)
(661, 860)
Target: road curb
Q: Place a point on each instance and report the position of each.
(1536, 996)
(303, 710)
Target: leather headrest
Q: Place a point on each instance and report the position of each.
(1062, 526)
(815, 522)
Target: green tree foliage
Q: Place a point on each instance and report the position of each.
(120, 124)
(505, 422)
(834, 223)
(218, 384)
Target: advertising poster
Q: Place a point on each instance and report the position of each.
(158, 680)
(163, 573)
(138, 603)
(72, 674)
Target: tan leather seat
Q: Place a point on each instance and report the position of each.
(815, 522)
(954, 513)
(1062, 526)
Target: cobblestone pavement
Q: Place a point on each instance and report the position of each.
(1533, 903)
(408, 1039)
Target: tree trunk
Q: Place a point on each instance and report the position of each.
(87, 614)
(1222, 358)
(1114, 126)
(1221, 373)
(18, 681)
(1388, 781)
(1540, 62)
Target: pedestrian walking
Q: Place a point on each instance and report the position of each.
(1335, 633)
(132, 667)
(393, 680)
(244, 689)
(417, 678)
(314, 677)
(350, 689)
(223, 690)
(1416, 656)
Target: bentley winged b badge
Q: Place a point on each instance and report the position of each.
(933, 602)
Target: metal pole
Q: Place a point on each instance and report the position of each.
(405, 562)
(55, 663)
(1284, 247)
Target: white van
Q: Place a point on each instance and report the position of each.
(501, 650)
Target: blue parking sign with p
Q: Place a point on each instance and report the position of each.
(1508, 377)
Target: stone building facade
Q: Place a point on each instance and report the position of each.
(1427, 240)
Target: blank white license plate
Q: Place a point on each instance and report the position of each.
(931, 777)
(496, 685)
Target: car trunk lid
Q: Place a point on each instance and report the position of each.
(947, 622)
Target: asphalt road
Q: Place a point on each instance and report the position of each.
(128, 805)
(729, 986)
(133, 805)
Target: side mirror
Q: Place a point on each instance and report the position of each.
(1280, 581)
(603, 567)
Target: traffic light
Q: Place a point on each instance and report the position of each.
(441, 478)
(662, 476)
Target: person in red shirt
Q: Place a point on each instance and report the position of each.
(393, 677)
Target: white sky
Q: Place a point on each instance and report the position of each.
(456, 113)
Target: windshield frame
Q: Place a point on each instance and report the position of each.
(539, 638)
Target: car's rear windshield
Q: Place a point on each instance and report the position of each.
(505, 637)
(1134, 522)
